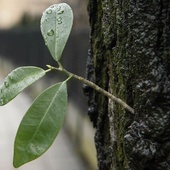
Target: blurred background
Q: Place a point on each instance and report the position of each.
(21, 44)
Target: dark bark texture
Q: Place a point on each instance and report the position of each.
(130, 56)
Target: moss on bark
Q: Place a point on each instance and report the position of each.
(129, 56)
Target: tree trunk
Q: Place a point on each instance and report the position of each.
(129, 56)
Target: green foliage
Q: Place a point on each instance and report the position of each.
(56, 24)
(41, 124)
(43, 120)
(17, 81)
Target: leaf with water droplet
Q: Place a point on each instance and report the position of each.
(17, 81)
(41, 124)
(50, 32)
(60, 20)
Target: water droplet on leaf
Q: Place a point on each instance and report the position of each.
(59, 20)
(47, 19)
(6, 84)
(49, 11)
(50, 32)
(60, 10)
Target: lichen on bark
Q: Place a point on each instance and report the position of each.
(129, 56)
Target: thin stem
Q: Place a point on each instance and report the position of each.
(68, 78)
(60, 65)
(96, 87)
(46, 71)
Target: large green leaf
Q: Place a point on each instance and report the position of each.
(17, 81)
(56, 24)
(41, 124)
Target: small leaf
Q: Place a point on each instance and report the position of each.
(56, 24)
(41, 124)
(17, 81)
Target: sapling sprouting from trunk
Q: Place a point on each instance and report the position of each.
(43, 120)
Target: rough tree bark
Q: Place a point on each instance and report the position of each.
(130, 57)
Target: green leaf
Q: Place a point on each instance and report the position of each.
(17, 81)
(41, 124)
(56, 24)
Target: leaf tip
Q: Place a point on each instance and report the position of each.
(15, 164)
